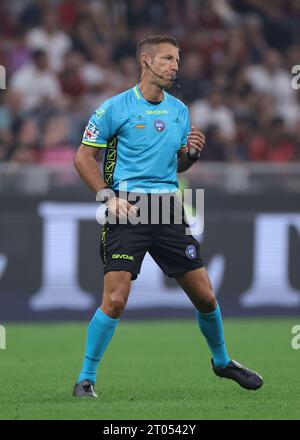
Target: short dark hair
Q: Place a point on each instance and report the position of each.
(154, 40)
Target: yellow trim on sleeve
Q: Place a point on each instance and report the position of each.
(94, 144)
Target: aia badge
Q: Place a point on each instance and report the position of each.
(190, 251)
(159, 125)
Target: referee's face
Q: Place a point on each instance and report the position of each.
(165, 63)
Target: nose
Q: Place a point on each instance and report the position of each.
(175, 66)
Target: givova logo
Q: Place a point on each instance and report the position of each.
(2, 338)
(296, 338)
(123, 256)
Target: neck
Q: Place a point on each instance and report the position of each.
(151, 92)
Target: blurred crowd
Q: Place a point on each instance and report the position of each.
(63, 58)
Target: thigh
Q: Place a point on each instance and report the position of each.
(117, 281)
(115, 292)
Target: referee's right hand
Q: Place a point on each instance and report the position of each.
(119, 207)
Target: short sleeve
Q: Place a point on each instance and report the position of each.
(186, 127)
(99, 128)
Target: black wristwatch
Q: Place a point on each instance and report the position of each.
(104, 194)
(193, 154)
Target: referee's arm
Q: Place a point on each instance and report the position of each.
(195, 139)
(86, 163)
(184, 162)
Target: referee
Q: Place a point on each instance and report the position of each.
(147, 139)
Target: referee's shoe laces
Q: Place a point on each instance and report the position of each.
(243, 376)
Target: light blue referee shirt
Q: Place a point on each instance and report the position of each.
(142, 140)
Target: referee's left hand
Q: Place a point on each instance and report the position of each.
(196, 139)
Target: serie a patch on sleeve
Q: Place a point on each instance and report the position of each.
(91, 133)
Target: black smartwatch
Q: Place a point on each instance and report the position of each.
(193, 154)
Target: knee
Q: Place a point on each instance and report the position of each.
(114, 302)
(208, 303)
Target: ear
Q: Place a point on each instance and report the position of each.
(145, 59)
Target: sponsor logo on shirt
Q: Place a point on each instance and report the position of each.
(156, 112)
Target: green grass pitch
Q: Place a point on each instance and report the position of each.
(151, 370)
